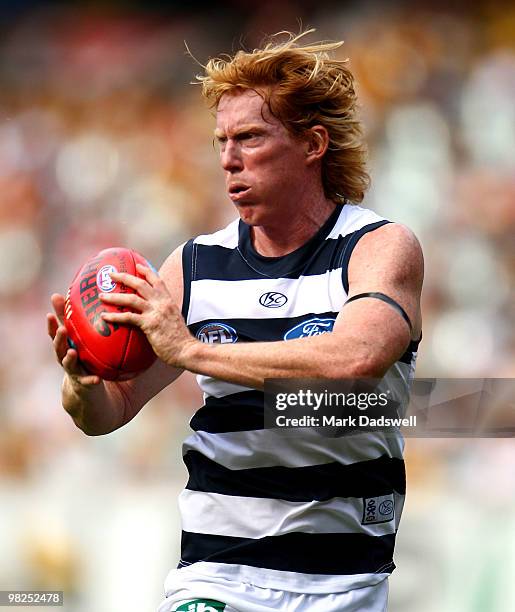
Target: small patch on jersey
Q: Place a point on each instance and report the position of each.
(378, 509)
(307, 329)
(217, 332)
(273, 299)
(201, 605)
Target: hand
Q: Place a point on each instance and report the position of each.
(153, 311)
(66, 356)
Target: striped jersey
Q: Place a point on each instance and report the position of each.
(274, 507)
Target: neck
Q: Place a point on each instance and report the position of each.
(279, 239)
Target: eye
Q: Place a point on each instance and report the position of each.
(220, 141)
(249, 137)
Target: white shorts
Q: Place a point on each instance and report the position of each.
(196, 593)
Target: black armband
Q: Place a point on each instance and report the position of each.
(388, 300)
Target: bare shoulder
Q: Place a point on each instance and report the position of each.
(389, 260)
(391, 252)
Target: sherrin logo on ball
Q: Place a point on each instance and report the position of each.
(110, 350)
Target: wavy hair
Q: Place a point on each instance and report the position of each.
(303, 86)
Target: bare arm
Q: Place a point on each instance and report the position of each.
(368, 337)
(98, 406)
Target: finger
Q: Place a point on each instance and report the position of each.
(151, 276)
(88, 379)
(61, 343)
(72, 364)
(58, 305)
(138, 284)
(125, 300)
(52, 324)
(72, 367)
(125, 318)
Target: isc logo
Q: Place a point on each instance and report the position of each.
(217, 332)
(273, 299)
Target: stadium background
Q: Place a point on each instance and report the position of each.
(103, 141)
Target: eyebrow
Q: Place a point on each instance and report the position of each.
(249, 127)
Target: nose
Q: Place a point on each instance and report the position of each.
(230, 156)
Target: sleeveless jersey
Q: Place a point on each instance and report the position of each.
(271, 507)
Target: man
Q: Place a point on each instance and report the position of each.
(273, 520)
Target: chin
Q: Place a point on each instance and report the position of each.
(250, 214)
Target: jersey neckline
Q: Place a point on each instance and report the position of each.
(284, 264)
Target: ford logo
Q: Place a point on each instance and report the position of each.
(307, 329)
(273, 299)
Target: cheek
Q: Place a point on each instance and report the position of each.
(275, 164)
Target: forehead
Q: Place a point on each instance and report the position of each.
(243, 107)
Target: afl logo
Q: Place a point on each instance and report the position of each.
(307, 329)
(217, 332)
(273, 299)
(104, 281)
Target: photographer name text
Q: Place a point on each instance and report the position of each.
(333, 421)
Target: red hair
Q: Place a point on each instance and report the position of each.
(303, 86)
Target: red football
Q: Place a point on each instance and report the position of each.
(110, 350)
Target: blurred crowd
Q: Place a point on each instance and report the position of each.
(104, 141)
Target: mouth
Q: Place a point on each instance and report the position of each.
(238, 192)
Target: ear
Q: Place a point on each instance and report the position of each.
(317, 142)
